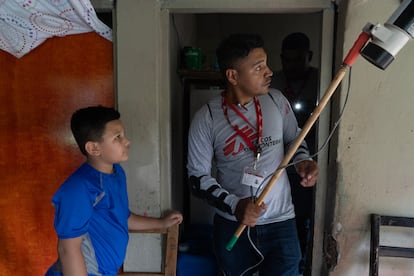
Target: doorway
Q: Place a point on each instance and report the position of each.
(205, 30)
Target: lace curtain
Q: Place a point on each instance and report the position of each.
(25, 24)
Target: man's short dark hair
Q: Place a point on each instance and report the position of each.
(296, 41)
(88, 124)
(235, 47)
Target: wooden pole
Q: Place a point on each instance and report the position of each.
(293, 148)
(349, 60)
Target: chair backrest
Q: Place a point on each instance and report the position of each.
(170, 252)
(378, 250)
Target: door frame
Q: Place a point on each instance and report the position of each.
(326, 64)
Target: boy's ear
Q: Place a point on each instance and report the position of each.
(232, 76)
(93, 148)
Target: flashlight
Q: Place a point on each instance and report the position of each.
(297, 106)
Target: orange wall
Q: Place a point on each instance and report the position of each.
(38, 94)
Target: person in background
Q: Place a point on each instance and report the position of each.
(92, 217)
(245, 131)
(298, 81)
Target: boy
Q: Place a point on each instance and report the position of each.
(91, 207)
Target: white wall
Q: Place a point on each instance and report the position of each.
(145, 116)
(375, 145)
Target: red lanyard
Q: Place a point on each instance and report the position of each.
(256, 149)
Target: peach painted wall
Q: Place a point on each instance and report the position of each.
(38, 94)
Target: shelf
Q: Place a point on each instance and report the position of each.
(200, 75)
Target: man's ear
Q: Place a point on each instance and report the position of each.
(93, 148)
(232, 76)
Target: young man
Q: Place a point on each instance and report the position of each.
(91, 207)
(298, 80)
(246, 131)
(299, 83)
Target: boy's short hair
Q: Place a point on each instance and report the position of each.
(235, 47)
(88, 124)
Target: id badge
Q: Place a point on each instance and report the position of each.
(252, 177)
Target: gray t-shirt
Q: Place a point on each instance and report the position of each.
(212, 138)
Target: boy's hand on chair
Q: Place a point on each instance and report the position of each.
(172, 218)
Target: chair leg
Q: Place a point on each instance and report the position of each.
(374, 254)
(171, 250)
(170, 253)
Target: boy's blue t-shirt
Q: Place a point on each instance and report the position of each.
(94, 205)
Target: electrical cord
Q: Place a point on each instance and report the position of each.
(334, 127)
(257, 251)
(330, 134)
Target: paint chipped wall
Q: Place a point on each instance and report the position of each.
(138, 27)
(375, 145)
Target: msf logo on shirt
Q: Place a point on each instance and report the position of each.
(235, 144)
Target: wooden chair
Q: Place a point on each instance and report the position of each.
(170, 253)
(378, 250)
